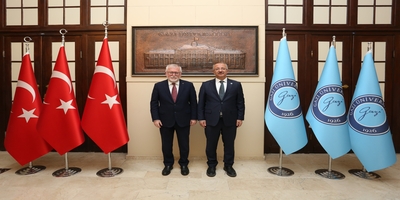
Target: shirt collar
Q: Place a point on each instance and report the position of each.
(176, 84)
(217, 80)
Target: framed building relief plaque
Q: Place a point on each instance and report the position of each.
(195, 49)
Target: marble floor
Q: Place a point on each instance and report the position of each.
(142, 179)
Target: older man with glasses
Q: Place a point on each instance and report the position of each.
(173, 107)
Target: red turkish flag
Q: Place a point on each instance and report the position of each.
(22, 140)
(59, 122)
(103, 119)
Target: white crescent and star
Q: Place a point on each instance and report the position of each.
(29, 88)
(28, 114)
(65, 105)
(110, 101)
(62, 76)
(105, 70)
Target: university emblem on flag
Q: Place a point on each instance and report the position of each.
(367, 115)
(283, 99)
(327, 105)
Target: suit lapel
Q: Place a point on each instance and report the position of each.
(214, 88)
(167, 91)
(229, 85)
(181, 88)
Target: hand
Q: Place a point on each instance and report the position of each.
(239, 123)
(157, 123)
(202, 123)
(193, 122)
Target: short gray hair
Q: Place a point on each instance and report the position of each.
(173, 65)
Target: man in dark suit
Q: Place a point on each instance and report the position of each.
(173, 107)
(220, 112)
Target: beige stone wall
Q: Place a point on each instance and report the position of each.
(144, 137)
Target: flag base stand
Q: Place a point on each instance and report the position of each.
(106, 172)
(30, 170)
(67, 171)
(110, 171)
(362, 173)
(329, 173)
(280, 171)
(2, 170)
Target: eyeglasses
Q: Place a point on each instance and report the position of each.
(173, 73)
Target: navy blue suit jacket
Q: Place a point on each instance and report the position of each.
(163, 108)
(231, 106)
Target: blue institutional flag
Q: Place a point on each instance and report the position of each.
(283, 115)
(327, 112)
(370, 136)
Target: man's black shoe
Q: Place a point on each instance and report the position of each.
(167, 170)
(184, 170)
(230, 171)
(211, 171)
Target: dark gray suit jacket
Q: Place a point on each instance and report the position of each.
(163, 108)
(210, 105)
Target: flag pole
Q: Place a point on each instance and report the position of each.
(110, 171)
(106, 24)
(31, 169)
(362, 173)
(280, 171)
(329, 173)
(67, 171)
(334, 41)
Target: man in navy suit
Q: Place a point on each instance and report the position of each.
(220, 112)
(171, 115)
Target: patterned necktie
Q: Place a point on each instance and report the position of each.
(174, 92)
(221, 90)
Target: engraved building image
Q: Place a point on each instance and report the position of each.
(195, 56)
